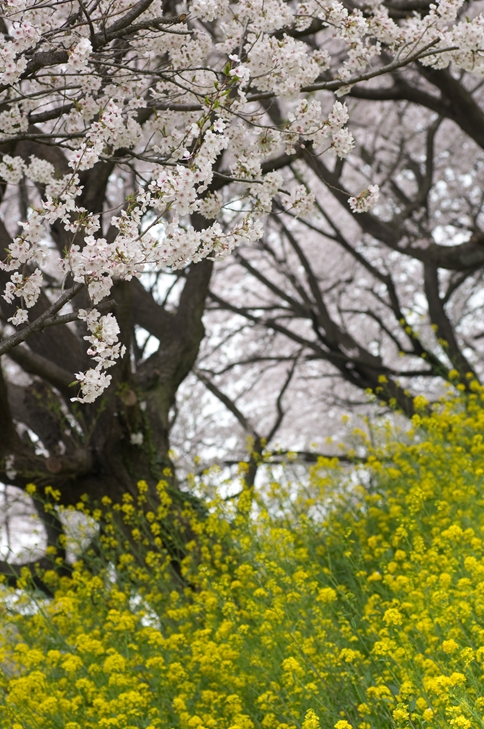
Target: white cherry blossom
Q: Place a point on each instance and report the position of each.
(365, 200)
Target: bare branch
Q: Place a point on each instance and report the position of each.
(229, 404)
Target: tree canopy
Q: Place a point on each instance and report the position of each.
(305, 175)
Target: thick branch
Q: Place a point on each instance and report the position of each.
(7, 429)
(48, 318)
(39, 366)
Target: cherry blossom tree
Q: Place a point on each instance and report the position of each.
(142, 142)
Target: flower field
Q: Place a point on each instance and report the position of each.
(353, 600)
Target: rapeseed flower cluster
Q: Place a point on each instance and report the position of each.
(352, 601)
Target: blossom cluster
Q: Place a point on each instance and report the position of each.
(185, 106)
(306, 122)
(365, 200)
(104, 349)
